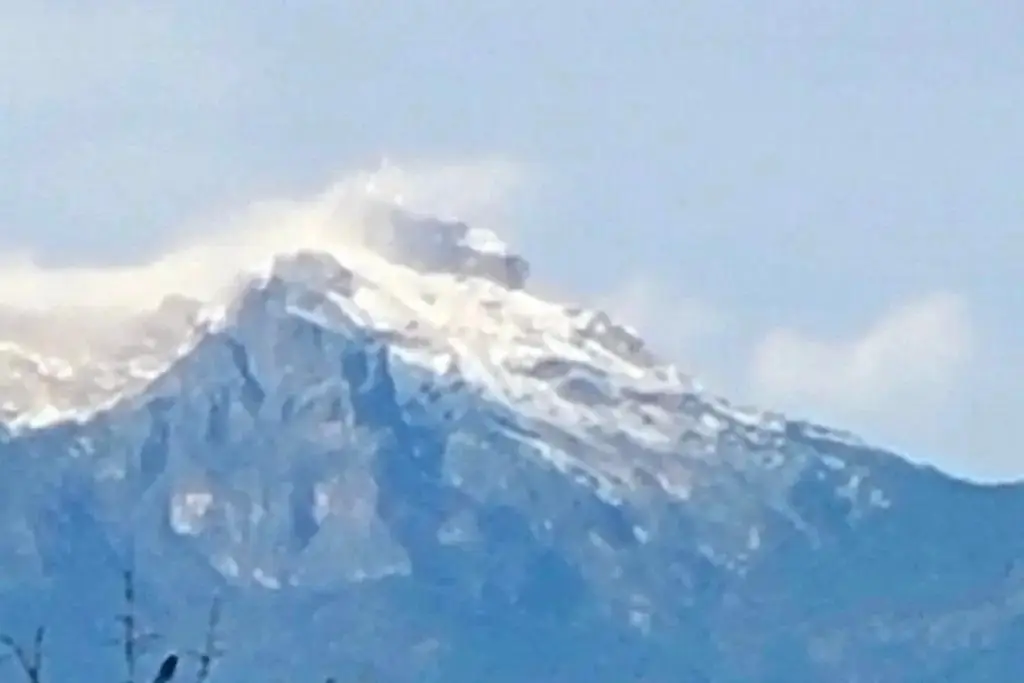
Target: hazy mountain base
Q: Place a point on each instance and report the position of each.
(540, 591)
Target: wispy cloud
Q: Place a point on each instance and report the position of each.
(897, 376)
(678, 325)
(219, 249)
(908, 360)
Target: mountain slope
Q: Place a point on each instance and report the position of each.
(397, 462)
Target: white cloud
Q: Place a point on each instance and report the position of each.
(904, 365)
(676, 324)
(475, 191)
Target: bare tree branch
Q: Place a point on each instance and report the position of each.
(212, 650)
(128, 623)
(133, 641)
(37, 651)
(31, 662)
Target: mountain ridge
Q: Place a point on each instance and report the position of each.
(428, 453)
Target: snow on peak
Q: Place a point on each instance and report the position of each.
(478, 355)
(381, 252)
(66, 364)
(445, 296)
(92, 334)
(575, 369)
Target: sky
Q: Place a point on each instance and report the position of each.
(814, 207)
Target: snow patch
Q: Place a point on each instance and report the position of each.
(188, 510)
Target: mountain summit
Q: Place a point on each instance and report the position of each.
(397, 462)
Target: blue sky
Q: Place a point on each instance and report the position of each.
(816, 206)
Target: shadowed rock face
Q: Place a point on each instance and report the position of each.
(366, 516)
(429, 244)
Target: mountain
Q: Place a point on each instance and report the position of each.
(396, 463)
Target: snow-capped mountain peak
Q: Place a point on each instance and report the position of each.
(446, 297)
(69, 363)
(584, 391)
(449, 303)
(398, 436)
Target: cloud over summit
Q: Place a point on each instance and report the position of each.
(900, 369)
(217, 250)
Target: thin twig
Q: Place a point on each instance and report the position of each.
(133, 641)
(212, 650)
(37, 651)
(128, 621)
(31, 662)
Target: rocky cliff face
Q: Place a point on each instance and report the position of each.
(412, 469)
